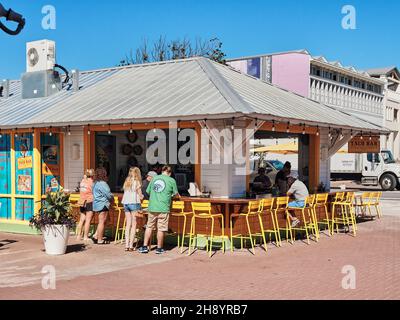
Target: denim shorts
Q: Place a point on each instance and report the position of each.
(296, 204)
(132, 207)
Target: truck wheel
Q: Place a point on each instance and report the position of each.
(388, 182)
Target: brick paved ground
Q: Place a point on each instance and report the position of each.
(291, 272)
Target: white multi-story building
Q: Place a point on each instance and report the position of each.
(391, 77)
(331, 83)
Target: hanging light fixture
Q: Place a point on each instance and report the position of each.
(16, 133)
(370, 136)
(131, 128)
(304, 129)
(88, 130)
(33, 131)
(317, 131)
(351, 133)
(329, 133)
(273, 126)
(179, 126)
(109, 128)
(1, 135)
(233, 124)
(288, 127)
(361, 138)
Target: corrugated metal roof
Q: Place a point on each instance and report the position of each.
(15, 111)
(193, 88)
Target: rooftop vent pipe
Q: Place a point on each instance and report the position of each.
(75, 80)
(5, 89)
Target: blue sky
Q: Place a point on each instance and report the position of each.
(98, 33)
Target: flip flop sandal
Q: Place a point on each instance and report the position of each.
(104, 242)
(95, 241)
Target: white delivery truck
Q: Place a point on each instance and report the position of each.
(371, 169)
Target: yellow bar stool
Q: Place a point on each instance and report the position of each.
(202, 211)
(347, 216)
(337, 208)
(362, 203)
(73, 200)
(307, 220)
(253, 212)
(178, 208)
(281, 206)
(267, 216)
(375, 202)
(321, 202)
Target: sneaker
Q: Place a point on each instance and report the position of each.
(143, 250)
(295, 223)
(160, 251)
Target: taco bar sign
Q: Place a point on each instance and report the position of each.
(362, 144)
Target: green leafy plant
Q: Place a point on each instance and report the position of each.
(55, 209)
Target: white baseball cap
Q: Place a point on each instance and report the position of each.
(152, 174)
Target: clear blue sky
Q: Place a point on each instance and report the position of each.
(98, 33)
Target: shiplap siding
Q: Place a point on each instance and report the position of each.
(73, 169)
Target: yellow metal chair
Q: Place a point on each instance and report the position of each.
(347, 214)
(321, 201)
(309, 222)
(202, 211)
(362, 203)
(178, 208)
(375, 202)
(74, 200)
(267, 212)
(281, 205)
(253, 211)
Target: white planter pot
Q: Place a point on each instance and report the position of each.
(55, 239)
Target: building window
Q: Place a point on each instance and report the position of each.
(395, 114)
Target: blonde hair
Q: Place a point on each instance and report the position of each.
(89, 173)
(134, 175)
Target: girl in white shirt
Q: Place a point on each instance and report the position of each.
(131, 201)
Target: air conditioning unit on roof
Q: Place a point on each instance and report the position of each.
(40, 55)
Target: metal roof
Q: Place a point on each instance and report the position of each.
(194, 88)
(382, 71)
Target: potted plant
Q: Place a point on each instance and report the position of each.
(55, 221)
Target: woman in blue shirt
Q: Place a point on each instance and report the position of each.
(102, 197)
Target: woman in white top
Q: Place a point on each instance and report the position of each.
(131, 201)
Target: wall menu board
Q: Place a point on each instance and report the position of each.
(23, 145)
(5, 176)
(50, 150)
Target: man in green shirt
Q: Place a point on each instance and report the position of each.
(162, 189)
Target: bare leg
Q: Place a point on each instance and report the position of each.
(79, 227)
(100, 227)
(128, 216)
(160, 238)
(88, 219)
(147, 236)
(133, 230)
